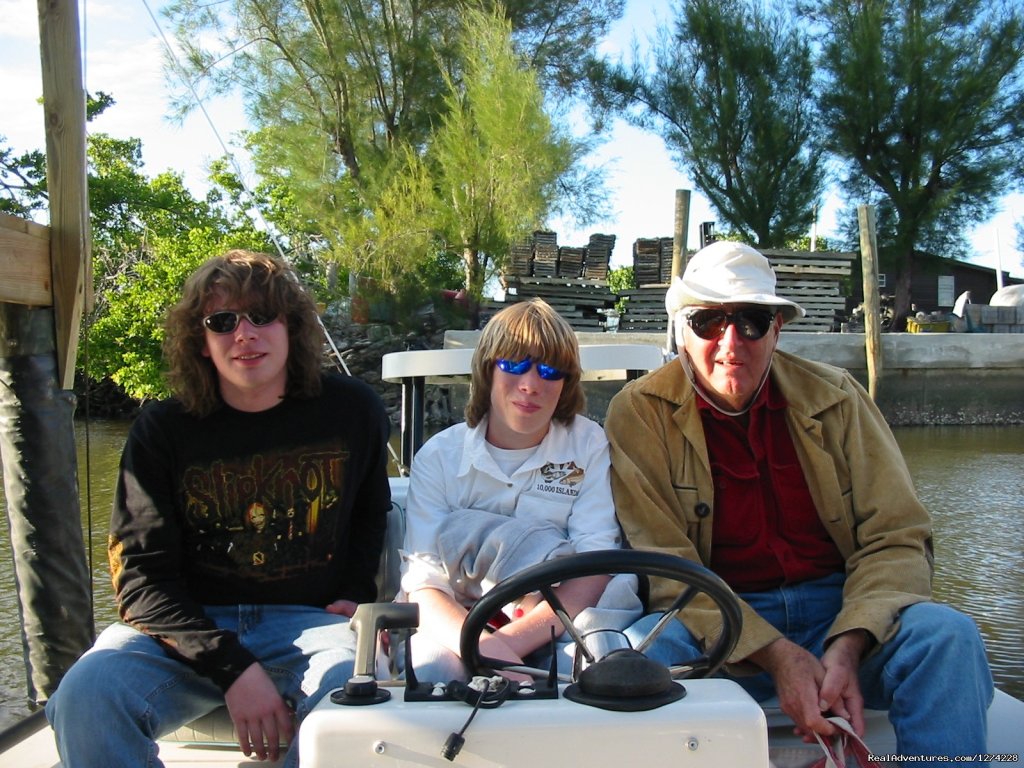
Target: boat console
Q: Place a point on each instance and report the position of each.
(714, 724)
(617, 709)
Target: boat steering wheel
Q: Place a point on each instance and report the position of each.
(694, 578)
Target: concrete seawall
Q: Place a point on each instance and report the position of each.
(932, 378)
(927, 378)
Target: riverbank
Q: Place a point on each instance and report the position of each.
(926, 378)
(932, 378)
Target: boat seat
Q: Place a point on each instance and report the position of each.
(414, 369)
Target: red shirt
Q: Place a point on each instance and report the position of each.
(766, 530)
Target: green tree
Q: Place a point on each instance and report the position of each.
(557, 38)
(343, 98)
(730, 93)
(23, 176)
(923, 101)
(127, 208)
(148, 235)
(620, 280)
(126, 337)
(22, 181)
(496, 153)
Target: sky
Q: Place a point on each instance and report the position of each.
(123, 57)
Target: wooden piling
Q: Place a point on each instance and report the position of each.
(872, 305)
(64, 109)
(682, 224)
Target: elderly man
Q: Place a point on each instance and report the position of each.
(781, 476)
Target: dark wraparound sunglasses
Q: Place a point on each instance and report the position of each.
(751, 324)
(226, 321)
(546, 372)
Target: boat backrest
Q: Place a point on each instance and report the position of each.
(414, 369)
(389, 574)
(598, 361)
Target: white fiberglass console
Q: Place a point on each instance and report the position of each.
(619, 707)
(716, 724)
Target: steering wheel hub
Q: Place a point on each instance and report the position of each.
(625, 681)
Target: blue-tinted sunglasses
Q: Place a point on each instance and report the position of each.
(546, 372)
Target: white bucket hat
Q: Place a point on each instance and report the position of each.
(726, 272)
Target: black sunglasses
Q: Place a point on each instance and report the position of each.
(226, 321)
(546, 372)
(751, 324)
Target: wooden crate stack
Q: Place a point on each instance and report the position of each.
(570, 279)
(577, 300)
(644, 308)
(570, 261)
(665, 272)
(814, 281)
(520, 259)
(488, 309)
(545, 254)
(542, 257)
(598, 257)
(647, 260)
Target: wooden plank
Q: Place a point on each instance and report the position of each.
(637, 311)
(64, 107)
(831, 287)
(795, 269)
(634, 318)
(575, 301)
(557, 281)
(25, 262)
(651, 292)
(633, 327)
(811, 262)
(818, 257)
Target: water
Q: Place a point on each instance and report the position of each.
(970, 478)
(99, 448)
(972, 481)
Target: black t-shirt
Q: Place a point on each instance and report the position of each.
(283, 506)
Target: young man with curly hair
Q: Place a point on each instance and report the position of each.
(248, 522)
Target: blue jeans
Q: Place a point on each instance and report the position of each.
(932, 676)
(125, 692)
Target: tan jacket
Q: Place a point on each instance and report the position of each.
(664, 495)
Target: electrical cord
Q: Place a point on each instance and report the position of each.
(480, 699)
